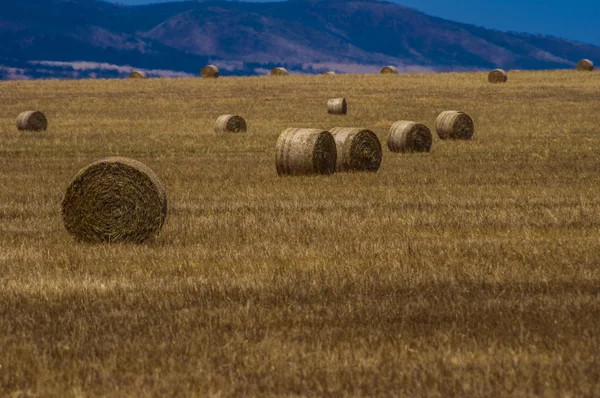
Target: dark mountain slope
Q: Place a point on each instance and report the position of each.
(350, 35)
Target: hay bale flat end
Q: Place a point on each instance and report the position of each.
(301, 151)
(406, 136)
(32, 121)
(497, 76)
(585, 65)
(230, 124)
(114, 199)
(357, 149)
(454, 125)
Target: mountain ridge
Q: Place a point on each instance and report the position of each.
(249, 38)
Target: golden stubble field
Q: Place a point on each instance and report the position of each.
(473, 270)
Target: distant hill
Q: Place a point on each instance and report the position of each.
(89, 38)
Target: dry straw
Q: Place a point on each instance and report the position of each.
(585, 64)
(279, 72)
(454, 125)
(115, 199)
(357, 149)
(210, 71)
(407, 136)
(389, 69)
(230, 124)
(32, 121)
(137, 74)
(337, 106)
(302, 151)
(497, 76)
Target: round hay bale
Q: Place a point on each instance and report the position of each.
(337, 106)
(279, 71)
(497, 76)
(230, 124)
(454, 125)
(137, 74)
(302, 151)
(32, 121)
(329, 73)
(406, 136)
(585, 65)
(357, 149)
(210, 71)
(114, 199)
(389, 69)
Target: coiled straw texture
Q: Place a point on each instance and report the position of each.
(230, 124)
(406, 136)
(497, 76)
(454, 125)
(32, 121)
(357, 149)
(585, 65)
(301, 151)
(114, 199)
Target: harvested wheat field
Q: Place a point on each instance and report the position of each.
(471, 270)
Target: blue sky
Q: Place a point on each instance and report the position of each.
(576, 20)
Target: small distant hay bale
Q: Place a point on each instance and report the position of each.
(454, 125)
(279, 71)
(585, 65)
(32, 121)
(406, 136)
(329, 73)
(357, 149)
(497, 76)
(137, 74)
(210, 71)
(301, 151)
(389, 70)
(337, 106)
(230, 124)
(114, 199)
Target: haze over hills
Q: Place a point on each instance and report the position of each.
(89, 38)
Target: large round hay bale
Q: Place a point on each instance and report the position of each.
(32, 121)
(210, 71)
(279, 71)
(585, 65)
(337, 106)
(407, 136)
(454, 125)
(302, 151)
(357, 149)
(137, 74)
(389, 69)
(230, 124)
(497, 76)
(115, 199)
